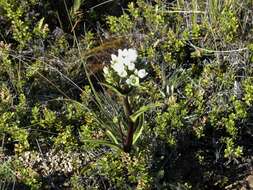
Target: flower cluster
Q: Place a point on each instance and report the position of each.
(124, 67)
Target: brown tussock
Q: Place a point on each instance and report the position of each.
(100, 56)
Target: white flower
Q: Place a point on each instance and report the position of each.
(132, 55)
(118, 67)
(129, 55)
(130, 66)
(122, 53)
(133, 80)
(114, 59)
(123, 62)
(122, 74)
(142, 73)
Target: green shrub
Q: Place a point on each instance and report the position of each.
(183, 122)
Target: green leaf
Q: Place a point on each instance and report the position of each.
(143, 109)
(140, 128)
(76, 5)
(112, 137)
(40, 23)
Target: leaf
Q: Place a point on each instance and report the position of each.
(112, 137)
(106, 143)
(143, 109)
(112, 88)
(40, 23)
(76, 5)
(140, 128)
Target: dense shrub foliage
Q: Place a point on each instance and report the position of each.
(148, 95)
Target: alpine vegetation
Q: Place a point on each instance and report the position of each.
(126, 94)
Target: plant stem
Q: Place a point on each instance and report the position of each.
(131, 125)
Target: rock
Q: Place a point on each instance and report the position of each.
(249, 179)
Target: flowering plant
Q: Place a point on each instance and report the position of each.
(123, 69)
(123, 75)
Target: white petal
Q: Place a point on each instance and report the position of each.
(122, 74)
(120, 52)
(125, 52)
(132, 55)
(142, 73)
(118, 67)
(113, 57)
(131, 66)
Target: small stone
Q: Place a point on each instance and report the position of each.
(249, 179)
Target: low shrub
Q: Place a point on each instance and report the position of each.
(162, 100)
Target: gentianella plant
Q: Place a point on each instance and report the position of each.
(122, 69)
(123, 77)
